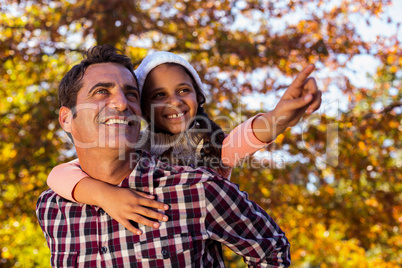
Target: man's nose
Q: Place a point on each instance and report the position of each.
(118, 101)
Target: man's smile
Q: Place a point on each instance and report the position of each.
(117, 122)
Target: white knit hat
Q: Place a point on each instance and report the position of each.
(161, 57)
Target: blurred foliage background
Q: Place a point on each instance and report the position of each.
(333, 183)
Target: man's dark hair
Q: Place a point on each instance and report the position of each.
(72, 81)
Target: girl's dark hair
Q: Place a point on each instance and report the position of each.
(213, 135)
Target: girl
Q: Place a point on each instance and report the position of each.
(180, 132)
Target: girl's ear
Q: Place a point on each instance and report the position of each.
(66, 118)
(199, 100)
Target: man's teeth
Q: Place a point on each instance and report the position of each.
(116, 121)
(175, 115)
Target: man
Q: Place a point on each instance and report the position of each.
(205, 210)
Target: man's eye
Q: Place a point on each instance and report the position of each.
(132, 95)
(102, 91)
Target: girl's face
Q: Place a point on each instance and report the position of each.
(169, 99)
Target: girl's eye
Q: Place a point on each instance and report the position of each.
(158, 95)
(184, 90)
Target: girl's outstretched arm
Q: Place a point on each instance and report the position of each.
(300, 98)
(241, 143)
(122, 204)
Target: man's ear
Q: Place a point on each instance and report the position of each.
(66, 118)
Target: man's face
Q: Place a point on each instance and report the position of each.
(108, 108)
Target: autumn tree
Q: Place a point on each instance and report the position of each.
(333, 183)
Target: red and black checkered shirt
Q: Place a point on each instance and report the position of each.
(205, 211)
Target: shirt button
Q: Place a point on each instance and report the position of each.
(102, 211)
(104, 250)
(164, 252)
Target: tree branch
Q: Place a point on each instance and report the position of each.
(386, 109)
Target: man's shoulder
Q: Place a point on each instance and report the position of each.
(46, 201)
(46, 195)
(51, 200)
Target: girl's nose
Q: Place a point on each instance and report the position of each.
(174, 100)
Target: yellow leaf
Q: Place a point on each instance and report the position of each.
(6, 255)
(265, 191)
(8, 33)
(390, 59)
(372, 202)
(361, 145)
(280, 138)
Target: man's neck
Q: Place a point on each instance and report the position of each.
(106, 165)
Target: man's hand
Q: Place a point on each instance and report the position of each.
(300, 98)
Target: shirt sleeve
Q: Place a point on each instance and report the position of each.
(240, 143)
(244, 227)
(63, 178)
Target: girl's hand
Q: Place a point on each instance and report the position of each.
(122, 204)
(302, 96)
(125, 205)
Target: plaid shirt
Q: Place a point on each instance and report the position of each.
(205, 211)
